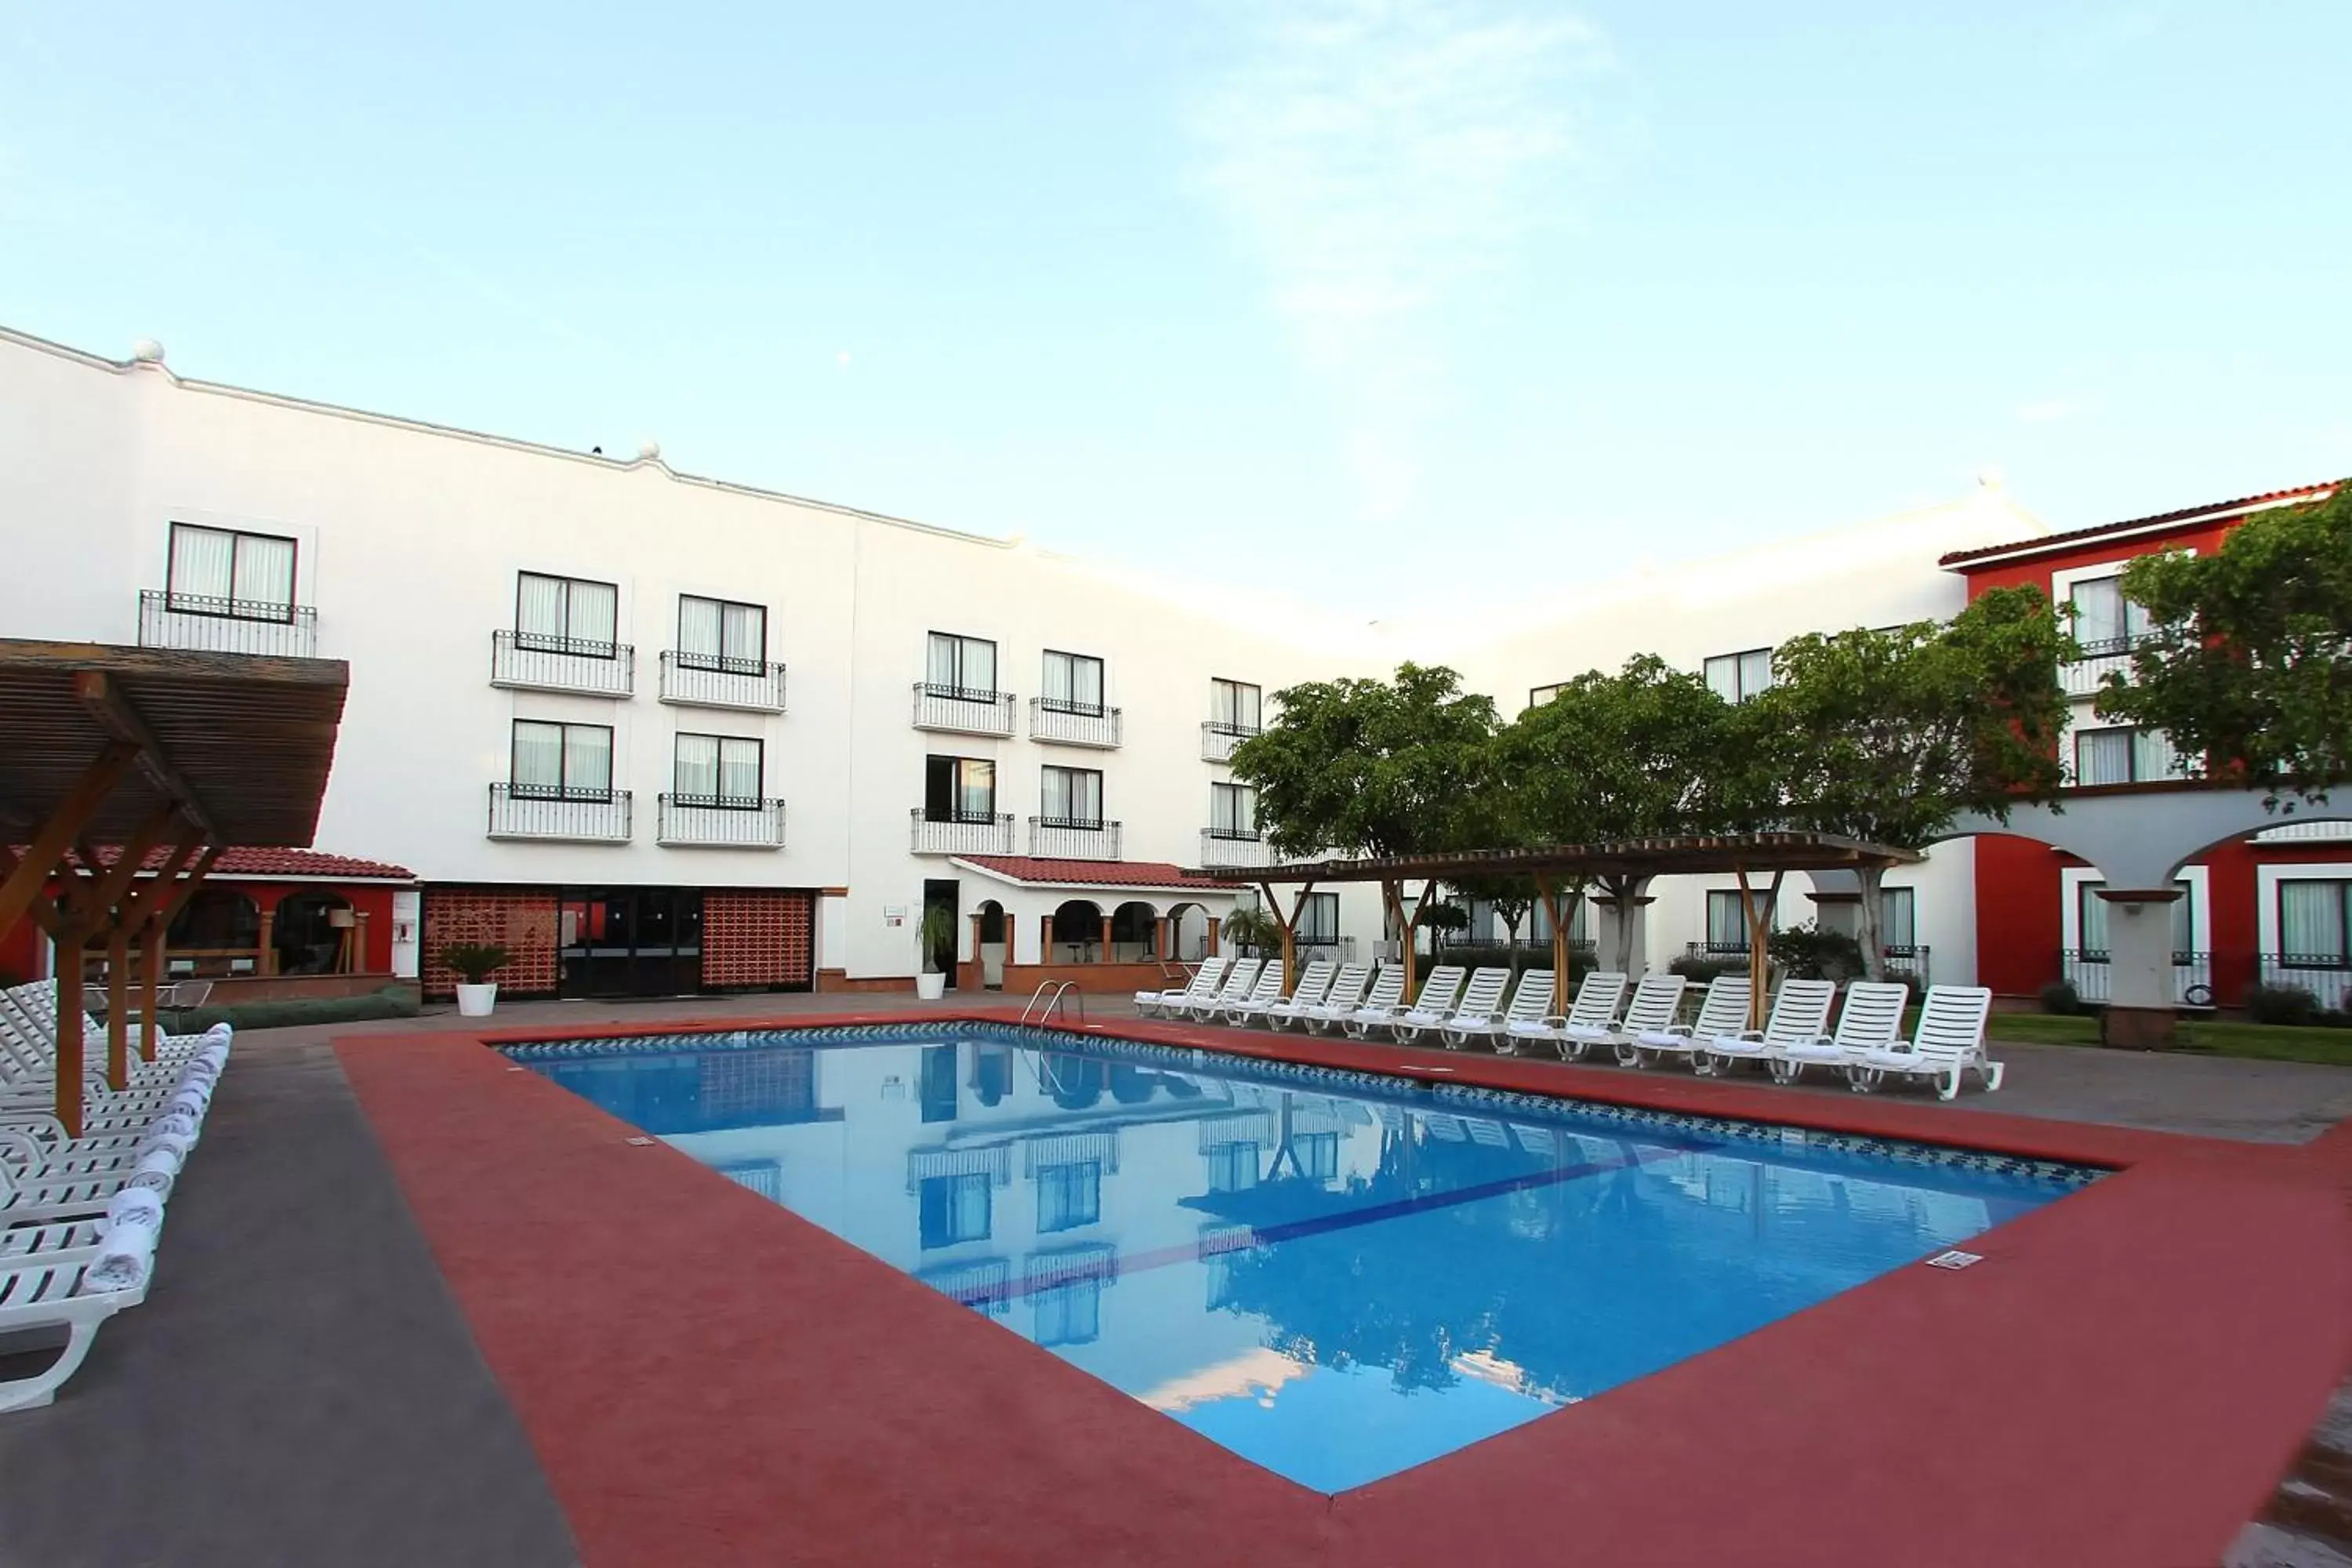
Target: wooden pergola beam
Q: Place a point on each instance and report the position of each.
(114, 714)
(28, 877)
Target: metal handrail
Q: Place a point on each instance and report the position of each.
(1061, 991)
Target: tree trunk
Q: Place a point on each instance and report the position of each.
(1869, 910)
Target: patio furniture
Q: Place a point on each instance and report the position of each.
(1299, 1001)
(1949, 1040)
(1724, 1010)
(1437, 995)
(1312, 987)
(1383, 1002)
(1267, 989)
(1871, 1019)
(1589, 1020)
(1201, 987)
(1528, 1004)
(1238, 981)
(1801, 1011)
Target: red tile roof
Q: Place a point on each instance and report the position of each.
(1036, 869)
(2187, 515)
(243, 862)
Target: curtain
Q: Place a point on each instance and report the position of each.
(1073, 794)
(2310, 920)
(587, 759)
(2103, 756)
(699, 631)
(941, 668)
(1069, 1314)
(1319, 921)
(976, 789)
(1899, 918)
(2091, 918)
(1068, 1196)
(1085, 682)
(265, 571)
(2098, 610)
(1725, 926)
(739, 769)
(539, 606)
(2153, 756)
(538, 756)
(595, 613)
(1232, 808)
(1754, 672)
(743, 633)
(697, 766)
(203, 563)
(1061, 670)
(979, 665)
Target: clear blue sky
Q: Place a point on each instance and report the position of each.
(1387, 298)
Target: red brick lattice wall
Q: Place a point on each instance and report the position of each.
(521, 920)
(757, 939)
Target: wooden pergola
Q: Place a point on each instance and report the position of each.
(1560, 871)
(160, 756)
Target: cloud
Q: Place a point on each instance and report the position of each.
(2050, 410)
(1380, 160)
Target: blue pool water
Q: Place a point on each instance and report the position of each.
(1334, 1276)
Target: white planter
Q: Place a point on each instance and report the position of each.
(476, 1001)
(931, 985)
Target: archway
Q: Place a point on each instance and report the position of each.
(1187, 933)
(1134, 932)
(1076, 933)
(308, 935)
(216, 932)
(994, 940)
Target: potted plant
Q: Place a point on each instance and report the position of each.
(934, 935)
(476, 961)
(1253, 930)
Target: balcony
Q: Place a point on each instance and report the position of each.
(967, 833)
(2084, 677)
(579, 816)
(1234, 847)
(527, 661)
(2326, 975)
(703, 680)
(962, 711)
(1072, 724)
(2304, 833)
(1072, 838)
(226, 626)
(1218, 741)
(2086, 970)
(719, 822)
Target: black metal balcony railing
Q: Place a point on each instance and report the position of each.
(2088, 970)
(2326, 975)
(963, 709)
(2101, 658)
(718, 821)
(529, 661)
(703, 680)
(1234, 847)
(578, 817)
(1072, 838)
(226, 626)
(1073, 723)
(1219, 738)
(969, 833)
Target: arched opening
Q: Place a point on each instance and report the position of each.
(1134, 933)
(1187, 933)
(217, 931)
(995, 946)
(1077, 932)
(311, 933)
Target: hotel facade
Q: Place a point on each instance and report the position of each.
(657, 733)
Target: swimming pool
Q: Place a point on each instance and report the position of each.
(1335, 1275)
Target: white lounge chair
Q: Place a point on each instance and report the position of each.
(1949, 1040)
(1384, 1001)
(1314, 983)
(1267, 990)
(1347, 995)
(1801, 1012)
(1350, 976)
(1201, 986)
(1723, 1011)
(1528, 1004)
(1589, 1021)
(72, 1277)
(1481, 997)
(1239, 980)
(1871, 1019)
(1438, 989)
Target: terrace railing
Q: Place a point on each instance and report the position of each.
(1072, 838)
(721, 822)
(1218, 741)
(970, 834)
(226, 626)
(1073, 724)
(703, 680)
(2108, 656)
(2327, 976)
(962, 711)
(2088, 970)
(574, 817)
(1234, 847)
(529, 661)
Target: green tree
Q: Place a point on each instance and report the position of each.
(2249, 664)
(1887, 735)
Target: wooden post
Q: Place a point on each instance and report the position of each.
(118, 1008)
(48, 851)
(1549, 894)
(1213, 926)
(1758, 918)
(151, 954)
(71, 946)
(158, 903)
(267, 962)
(1163, 941)
(1106, 947)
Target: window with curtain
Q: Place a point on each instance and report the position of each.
(226, 572)
(722, 634)
(1074, 684)
(1737, 676)
(567, 615)
(951, 1210)
(2123, 754)
(1233, 1167)
(961, 667)
(1580, 922)
(1319, 922)
(1071, 797)
(2314, 922)
(1069, 1313)
(2091, 920)
(960, 789)
(561, 762)
(1317, 1155)
(1234, 707)
(2105, 621)
(1898, 916)
(1233, 811)
(939, 1083)
(1069, 1196)
(718, 770)
(1726, 927)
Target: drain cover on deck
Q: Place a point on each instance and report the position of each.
(1955, 1260)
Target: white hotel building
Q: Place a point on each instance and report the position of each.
(658, 732)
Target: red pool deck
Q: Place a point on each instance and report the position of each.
(710, 1379)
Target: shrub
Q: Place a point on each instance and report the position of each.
(1809, 952)
(1700, 970)
(2060, 996)
(2290, 1004)
(476, 961)
(1494, 955)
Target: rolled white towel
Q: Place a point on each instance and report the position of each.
(196, 1097)
(221, 1032)
(195, 1083)
(135, 1205)
(124, 1260)
(179, 1123)
(177, 1143)
(214, 1057)
(158, 1168)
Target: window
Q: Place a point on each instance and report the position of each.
(1233, 708)
(1727, 926)
(2316, 924)
(2122, 754)
(953, 1209)
(939, 1083)
(565, 614)
(958, 789)
(1069, 1196)
(1317, 1155)
(963, 669)
(1540, 695)
(1737, 676)
(721, 635)
(2105, 621)
(1068, 1315)
(1898, 919)
(1319, 922)
(2091, 921)
(1580, 924)
(1074, 684)
(718, 770)
(1233, 1167)
(1070, 797)
(221, 571)
(561, 762)
(1233, 811)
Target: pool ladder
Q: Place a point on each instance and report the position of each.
(1052, 994)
